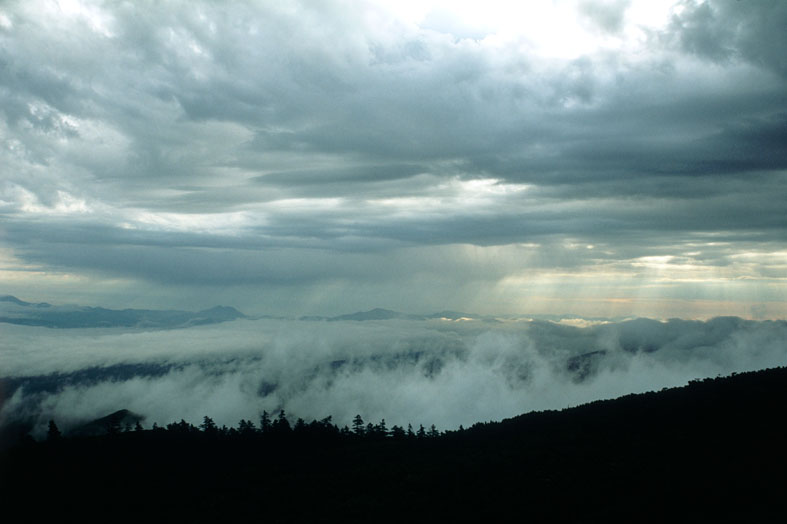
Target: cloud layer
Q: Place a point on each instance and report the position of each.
(302, 156)
(422, 372)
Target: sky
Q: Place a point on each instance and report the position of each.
(610, 158)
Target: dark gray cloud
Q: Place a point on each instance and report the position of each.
(312, 144)
(726, 30)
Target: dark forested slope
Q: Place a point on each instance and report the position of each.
(714, 449)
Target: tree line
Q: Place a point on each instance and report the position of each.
(278, 427)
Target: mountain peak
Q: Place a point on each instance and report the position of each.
(13, 299)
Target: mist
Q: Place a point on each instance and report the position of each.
(441, 372)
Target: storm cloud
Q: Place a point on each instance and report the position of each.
(308, 157)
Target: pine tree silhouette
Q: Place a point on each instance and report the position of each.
(358, 426)
(265, 422)
(208, 426)
(53, 433)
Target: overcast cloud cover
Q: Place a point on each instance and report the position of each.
(595, 158)
(614, 158)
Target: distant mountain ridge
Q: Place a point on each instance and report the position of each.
(388, 314)
(449, 315)
(16, 311)
(12, 299)
(375, 314)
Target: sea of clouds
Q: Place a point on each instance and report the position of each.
(433, 371)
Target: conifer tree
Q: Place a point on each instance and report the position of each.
(358, 426)
(53, 433)
(397, 432)
(282, 425)
(246, 427)
(327, 423)
(265, 422)
(208, 426)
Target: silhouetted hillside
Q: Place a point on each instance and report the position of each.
(712, 450)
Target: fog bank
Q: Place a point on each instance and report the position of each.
(406, 371)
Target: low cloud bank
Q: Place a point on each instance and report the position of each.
(406, 371)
